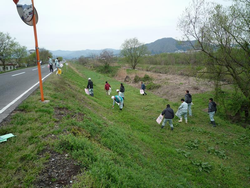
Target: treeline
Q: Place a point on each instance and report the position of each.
(11, 52)
(187, 58)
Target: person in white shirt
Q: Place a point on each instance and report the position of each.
(182, 110)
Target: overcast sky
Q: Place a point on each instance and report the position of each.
(94, 24)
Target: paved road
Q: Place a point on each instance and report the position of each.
(16, 86)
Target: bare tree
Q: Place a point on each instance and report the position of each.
(83, 60)
(133, 51)
(223, 34)
(106, 57)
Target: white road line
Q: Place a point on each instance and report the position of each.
(18, 74)
(37, 68)
(15, 100)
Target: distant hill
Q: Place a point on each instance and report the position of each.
(164, 45)
(76, 54)
(168, 45)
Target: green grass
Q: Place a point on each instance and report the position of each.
(121, 148)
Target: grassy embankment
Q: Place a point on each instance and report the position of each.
(121, 148)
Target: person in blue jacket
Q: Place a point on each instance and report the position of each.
(143, 87)
(117, 99)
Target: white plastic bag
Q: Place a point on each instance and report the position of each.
(177, 113)
(86, 91)
(109, 91)
(159, 119)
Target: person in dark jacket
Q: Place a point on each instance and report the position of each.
(211, 111)
(188, 100)
(143, 87)
(168, 114)
(122, 90)
(90, 87)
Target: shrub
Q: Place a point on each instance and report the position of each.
(107, 69)
(137, 79)
(146, 78)
(152, 85)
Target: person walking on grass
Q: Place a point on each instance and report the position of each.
(119, 100)
(107, 87)
(168, 114)
(122, 90)
(50, 64)
(182, 111)
(212, 110)
(120, 94)
(143, 87)
(188, 100)
(90, 87)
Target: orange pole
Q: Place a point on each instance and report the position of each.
(37, 54)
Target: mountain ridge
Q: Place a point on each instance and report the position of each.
(163, 45)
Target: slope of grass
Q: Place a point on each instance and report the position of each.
(121, 148)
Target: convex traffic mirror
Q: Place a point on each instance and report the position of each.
(26, 11)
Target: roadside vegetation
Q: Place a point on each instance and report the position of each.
(105, 147)
(75, 140)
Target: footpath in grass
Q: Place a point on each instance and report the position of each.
(113, 148)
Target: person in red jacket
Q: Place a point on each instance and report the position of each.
(107, 88)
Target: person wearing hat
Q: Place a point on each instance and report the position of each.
(168, 114)
(107, 87)
(90, 87)
(182, 111)
(212, 110)
(117, 99)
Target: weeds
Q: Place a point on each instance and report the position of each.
(118, 148)
(221, 154)
(193, 144)
(183, 152)
(203, 166)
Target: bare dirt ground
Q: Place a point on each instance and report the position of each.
(60, 171)
(172, 88)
